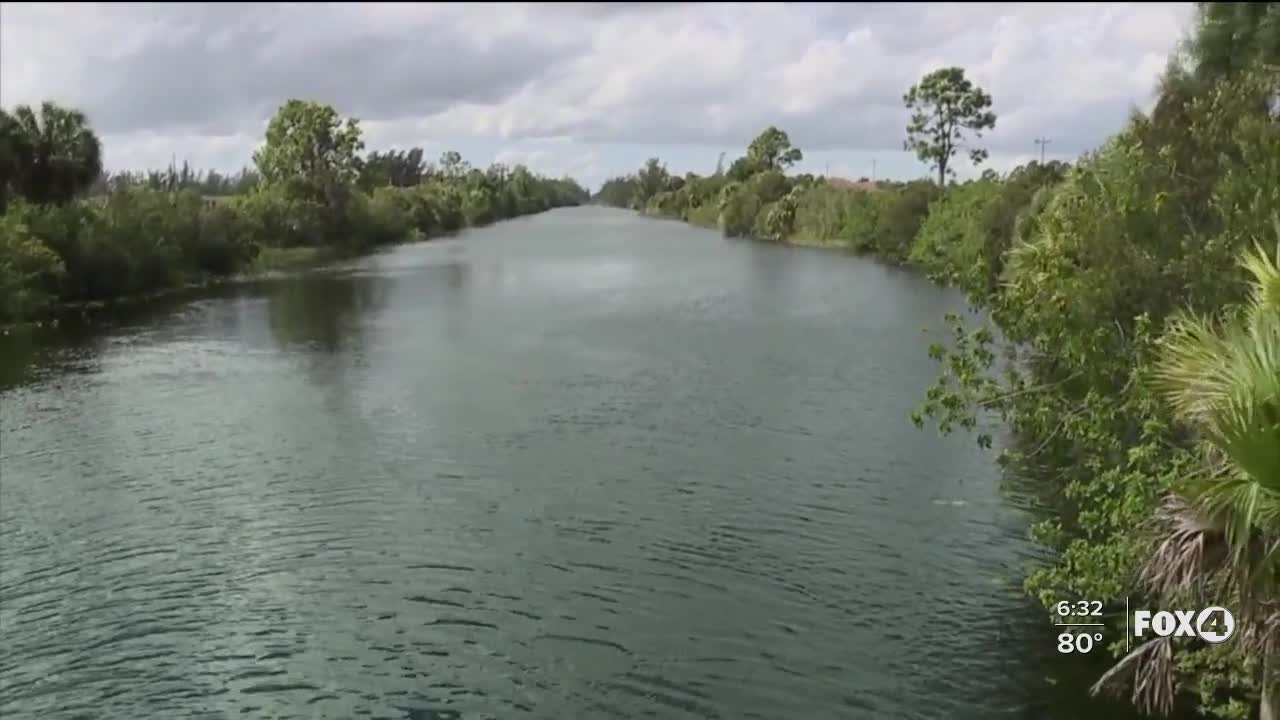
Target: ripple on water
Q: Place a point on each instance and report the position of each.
(412, 490)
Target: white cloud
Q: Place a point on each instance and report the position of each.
(200, 80)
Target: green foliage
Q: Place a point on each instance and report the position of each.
(1077, 270)
(1149, 224)
(777, 221)
(738, 209)
(953, 241)
(707, 215)
(769, 185)
(148, 232)
(29, 270)
(821, 213)
(742, 169)
(394, 167)
(971, 228)
(14, 154)
(47, 157)
(772, 150)
(745, 201)
(897, 218)
(617, 192)
(945, 104)
(651, 180)
(382, 217)
(477, 207)
(210, 184)
(1231, 37)
(452, 166)
(311, 152)
(276, 218)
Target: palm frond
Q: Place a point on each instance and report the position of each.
(1259, 633)
(1151, 667)
(1224, 378)
(1192, 549)
(1265, 271)
(1192, 376)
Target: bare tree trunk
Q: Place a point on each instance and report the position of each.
(1270, 709)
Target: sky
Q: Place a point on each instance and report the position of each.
(586, 89)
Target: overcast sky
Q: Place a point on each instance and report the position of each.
(589, 89)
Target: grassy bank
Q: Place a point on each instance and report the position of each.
(283, 259)
(1080, 271)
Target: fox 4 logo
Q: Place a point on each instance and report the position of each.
(1213, 624)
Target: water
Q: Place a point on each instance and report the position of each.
(580, 465)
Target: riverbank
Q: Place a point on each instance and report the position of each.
(141, 235)
(270, 261)
(1076, 271)
(266, 263)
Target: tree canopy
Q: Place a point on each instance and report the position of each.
(311, 149)
(49, 156)
(945, 105)
(772, 150)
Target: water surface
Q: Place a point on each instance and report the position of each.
(578, 465)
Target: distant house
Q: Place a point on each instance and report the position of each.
(859, 185)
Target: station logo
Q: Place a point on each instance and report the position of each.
(1212, 624)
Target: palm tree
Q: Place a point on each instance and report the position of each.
(61, 156)
(1219, 541)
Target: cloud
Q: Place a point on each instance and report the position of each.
(201, 80)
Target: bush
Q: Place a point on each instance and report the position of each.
(1150, 223)
(820, 213)
(381, 217)
(477, 208)
(738, 209)
(898, 215)
(273, 218)
(29, 270)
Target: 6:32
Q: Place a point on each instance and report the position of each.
(1080, 608)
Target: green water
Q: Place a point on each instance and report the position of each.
(578, 465)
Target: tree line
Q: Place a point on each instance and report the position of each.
(757, 197)
(70, 233)
(1130, 335)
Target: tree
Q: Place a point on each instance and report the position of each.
(311, 150)
(28, 269)
(394, 168)
(14, 156)
(1221, 525)
(618, 191)
(49, 157)
(944, 105)
(452, 164)
(742, 169)
(652, 179)
(1232, 36)
(772, 150)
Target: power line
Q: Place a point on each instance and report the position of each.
(1042, 142)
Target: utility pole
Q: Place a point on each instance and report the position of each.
(1042, 141)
